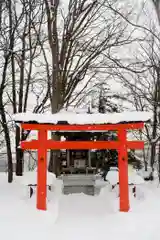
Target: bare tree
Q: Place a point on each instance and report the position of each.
(141, 75)
(29, 51)
(86, 30)
(79, 36)
(7, 42)
(22, 45)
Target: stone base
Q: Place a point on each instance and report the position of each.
(80, 183)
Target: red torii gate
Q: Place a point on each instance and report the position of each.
(43, 143)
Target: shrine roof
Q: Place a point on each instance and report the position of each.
(72, 118)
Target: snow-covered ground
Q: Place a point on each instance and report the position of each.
(78, 216)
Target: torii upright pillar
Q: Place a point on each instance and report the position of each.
(123, 171)
(42, 171)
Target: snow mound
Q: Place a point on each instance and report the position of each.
(133, 178)
(145, 174)
(113, 177)
(31, 178)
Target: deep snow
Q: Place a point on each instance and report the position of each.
(78, 216)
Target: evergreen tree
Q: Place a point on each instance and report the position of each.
(107, 157)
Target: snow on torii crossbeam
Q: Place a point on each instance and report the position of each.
(120, 122)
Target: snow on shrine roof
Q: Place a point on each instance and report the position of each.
(82, 118)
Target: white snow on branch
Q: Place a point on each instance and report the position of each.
(155, 140)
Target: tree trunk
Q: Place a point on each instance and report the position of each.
(19, 152)
(145, 165)
(145, 161)
(8, 143)
(154, 134)
(54, 162)
(159, 161)
(153, 155)
(19, 163)
(56, 94)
